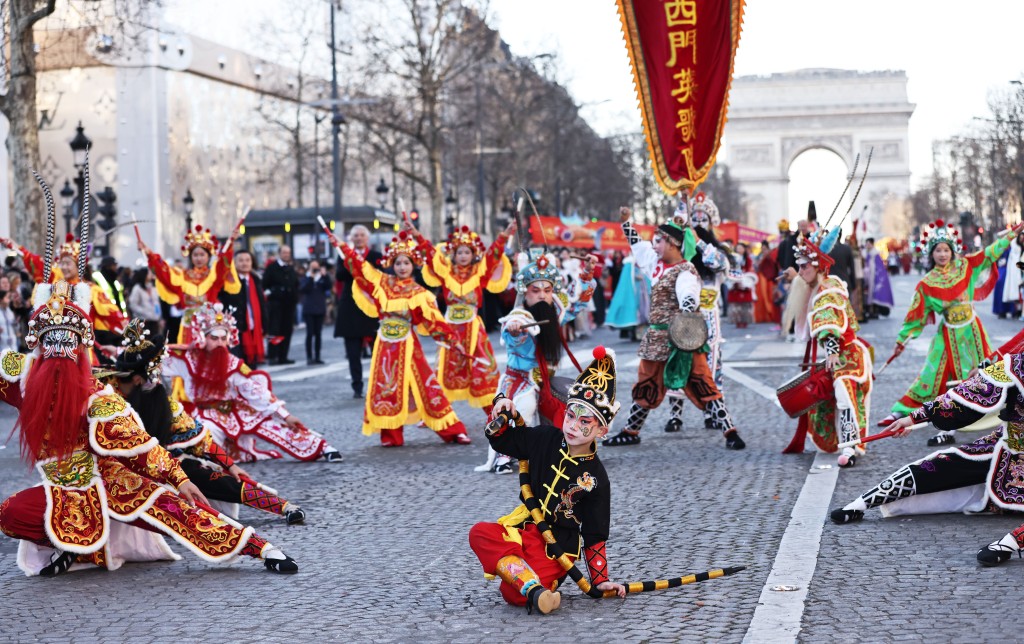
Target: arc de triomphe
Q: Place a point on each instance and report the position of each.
(773, 119)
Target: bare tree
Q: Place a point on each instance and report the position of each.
(110, 25)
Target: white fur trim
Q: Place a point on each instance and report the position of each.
(223, 559)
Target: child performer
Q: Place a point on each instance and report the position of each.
(573, 489)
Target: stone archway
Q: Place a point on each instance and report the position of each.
(773, 119)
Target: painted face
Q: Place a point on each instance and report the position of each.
(662, 245)
(216, 338)
(580, 426)
(700, 219)
(942, 254)
(60, 343)
(68, 267)
(808, 272)
(199, 257)
(463, 256)
(403, 266)
(539, 291)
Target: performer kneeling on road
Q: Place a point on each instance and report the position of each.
(675, 287)
(576, 500)
(137, 379)
(982, 476)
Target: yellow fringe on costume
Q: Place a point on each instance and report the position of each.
(197, 290)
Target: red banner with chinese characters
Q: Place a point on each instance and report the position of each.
(682, 54)
(600, 235)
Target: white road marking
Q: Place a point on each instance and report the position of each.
(734, 374)
(778, 614)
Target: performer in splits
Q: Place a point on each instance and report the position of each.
(946, 292)
(233, 401)
(576, 501)
(532, 335)
(825, 319)
(100, 469)
(403, 388)
(675, 287)
(210, 271)
(983, 476)
(136, 377)
(463, 268)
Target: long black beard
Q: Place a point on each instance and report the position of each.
(549, 339)
(708, 237)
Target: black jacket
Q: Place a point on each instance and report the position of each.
(314, 294)
(843, 267)
(350, 322)
(282, 285)
(240, 301)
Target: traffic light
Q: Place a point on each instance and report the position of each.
(414, 215)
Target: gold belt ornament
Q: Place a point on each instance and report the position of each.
(708, 298)
(76, 470)
(393, 329)
(1014, 438)
(460, 313)
(958, 314)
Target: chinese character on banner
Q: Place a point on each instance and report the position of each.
(682, 54)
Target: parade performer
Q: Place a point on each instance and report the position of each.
(100, 469)
(107, 318)
(209, 272)
(403, 388)
(983, 476)
(463, 268)
(232, 400)
(136, 377)
(576, 498)
(630, 305)
(946, 292)
(825, 319)
(676, 287)
(532, 336)
(712, 264)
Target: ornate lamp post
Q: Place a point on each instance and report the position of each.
(67, 195)
(451, 205)
(189, 203)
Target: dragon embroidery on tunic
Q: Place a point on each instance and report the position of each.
(584, 483)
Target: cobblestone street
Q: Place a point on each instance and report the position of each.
(384, 554)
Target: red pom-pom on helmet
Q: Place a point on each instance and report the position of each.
(939, 222)
(70, 237)
(599, 352)
(402, 235)
(199, 227)
(931, 225)
(465, 229)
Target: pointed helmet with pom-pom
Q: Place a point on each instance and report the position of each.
(463, 236)
(594, 388)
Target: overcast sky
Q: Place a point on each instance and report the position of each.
(954, 53)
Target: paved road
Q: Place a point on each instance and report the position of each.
(385, 558)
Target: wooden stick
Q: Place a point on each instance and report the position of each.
(880, 435)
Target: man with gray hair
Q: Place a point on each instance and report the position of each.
(350, 322)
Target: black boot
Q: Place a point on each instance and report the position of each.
(846, 516)
(59, 564)
(733, 440)
(286, 566)
(673, 425)
(622, 438)
(995, 553)
(294, 515)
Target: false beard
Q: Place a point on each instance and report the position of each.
(53, 407)
(550, 337)
(211, 377)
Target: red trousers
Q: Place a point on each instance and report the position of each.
(22, 516)
(488, 542)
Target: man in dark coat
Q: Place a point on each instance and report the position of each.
(250, 311)
(281, 286)
(351, 323)
(843, 268)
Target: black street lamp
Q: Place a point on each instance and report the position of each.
(451, 203)
(79, 145)
(67, 195)
(189, 202)
(382, 193)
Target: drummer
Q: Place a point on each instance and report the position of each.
(830, 326)
(675, 288)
